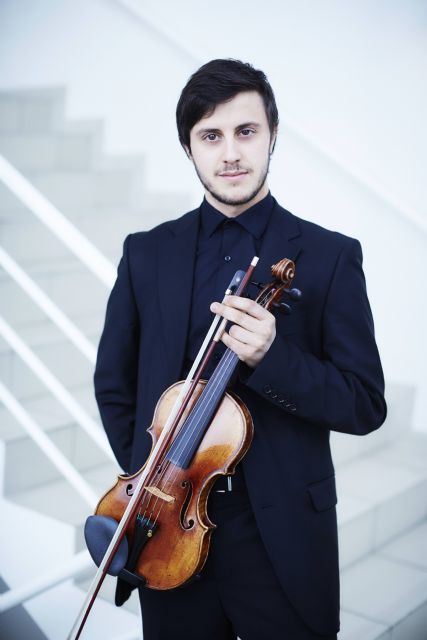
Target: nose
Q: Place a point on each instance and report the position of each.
(231, 151)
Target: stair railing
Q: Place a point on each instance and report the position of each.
(87, 253)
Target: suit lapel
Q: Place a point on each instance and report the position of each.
(281, 240)
(177, 254)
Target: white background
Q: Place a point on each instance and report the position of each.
(349, 79)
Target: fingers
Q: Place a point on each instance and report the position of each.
(245, 313)
(245, 305)
(253, 329)
(246, 337)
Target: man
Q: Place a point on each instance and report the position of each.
(272, 570)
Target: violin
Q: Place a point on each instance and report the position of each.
(159, 526)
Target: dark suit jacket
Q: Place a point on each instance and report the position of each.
(322, 372)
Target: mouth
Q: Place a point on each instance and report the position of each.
(233, 175)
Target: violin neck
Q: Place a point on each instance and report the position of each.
(192, 431)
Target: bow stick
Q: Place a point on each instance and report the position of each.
(165, 436)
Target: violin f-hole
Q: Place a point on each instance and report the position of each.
(186, 484)
(129, 491)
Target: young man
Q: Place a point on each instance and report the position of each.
(272, 570)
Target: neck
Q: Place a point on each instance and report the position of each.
(234, 210)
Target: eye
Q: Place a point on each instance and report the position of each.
(247, 132)
(211, 137)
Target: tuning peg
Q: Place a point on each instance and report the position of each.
(283, 307)
(294, 294)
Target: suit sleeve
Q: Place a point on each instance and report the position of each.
(117, 362)
(344, 389)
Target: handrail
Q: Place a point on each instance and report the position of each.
(50, 308)
(57, 223)
(137, 10)
(54, 454)
(59, 391)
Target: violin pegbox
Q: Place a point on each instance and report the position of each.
(271, 294)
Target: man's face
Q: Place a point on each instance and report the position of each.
(230, 150)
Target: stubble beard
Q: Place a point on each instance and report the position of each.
(228, 200)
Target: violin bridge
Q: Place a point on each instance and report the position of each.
(160, 494)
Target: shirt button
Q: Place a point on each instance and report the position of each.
(227, 258)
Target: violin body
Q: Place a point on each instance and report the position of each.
(175, 503)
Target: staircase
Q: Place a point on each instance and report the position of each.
(381, 478)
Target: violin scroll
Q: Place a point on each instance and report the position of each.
(284, 270)
(271, 294)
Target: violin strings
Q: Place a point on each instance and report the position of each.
(200, 414)
(193, 420)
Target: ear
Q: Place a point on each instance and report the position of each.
(273, 141)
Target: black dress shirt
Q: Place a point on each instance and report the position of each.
(224, 246)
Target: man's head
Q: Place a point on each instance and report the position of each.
(227, 123)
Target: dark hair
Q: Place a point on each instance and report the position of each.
(216, 82)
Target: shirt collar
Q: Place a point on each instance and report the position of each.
(254, 219)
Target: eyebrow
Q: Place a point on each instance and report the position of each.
(244, 125)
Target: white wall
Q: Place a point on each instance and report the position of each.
(350, 75)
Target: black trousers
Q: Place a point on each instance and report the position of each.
(237, 593)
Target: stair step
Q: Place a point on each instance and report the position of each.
(59, 500)
(52, 543)
(77, 188)
(23, 453)
(30, 242)
(16, 624)
(400, 401)
(48, 151)
(389, 591)
(68, 283)
(48, 412)
(31, 110)
(109, 186)
(55, 612)
(54, 349)
(379, 497)
(61, 357)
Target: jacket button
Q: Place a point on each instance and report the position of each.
(267, 389)
(274, 396)
(290, 406)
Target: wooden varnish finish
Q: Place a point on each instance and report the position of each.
(178, 550)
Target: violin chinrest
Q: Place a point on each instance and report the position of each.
(98, 532)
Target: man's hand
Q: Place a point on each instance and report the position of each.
(253, 330)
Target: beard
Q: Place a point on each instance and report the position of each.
(237, 200)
